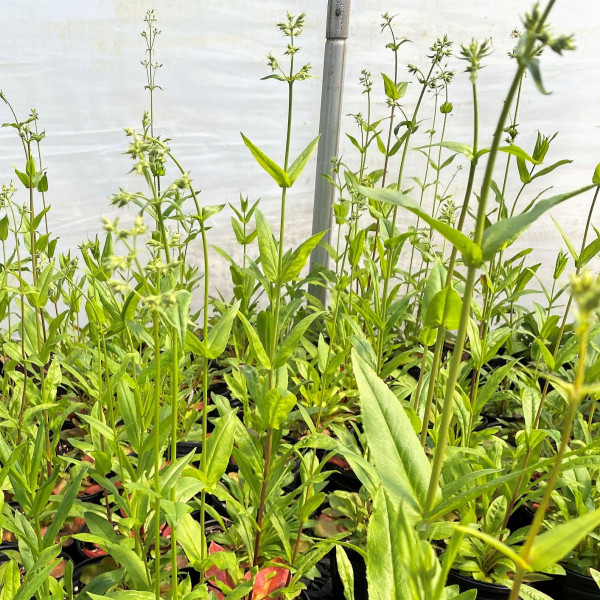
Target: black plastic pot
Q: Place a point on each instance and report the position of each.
(321, 587)
(521, 517)
(341, 479)
(90, 562)
(485, 591)
(574, 586)
(359, 568)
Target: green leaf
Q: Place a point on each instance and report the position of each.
(70, 493)
(189, 535)
(514, 150)
(11, 581)
(4, 228)
(391, 91)
(218, 449)
(42, 185)
(596, 177)
(589, 252)
(345, 571)
(508, 230)
(455, 147)
(533, 66)
(300, 162)
(178, 313)
(276, 406)
(572, 250)
(269, 165)
(553, 545)
(34, 582)
(132, 562)
(386, 575)
(266, 245)
(291, 340)
(435, 282)
(444, 309)
(494, 542)
(218, 336)
(291, 269)
(470, 251)
(400, 460)
(255, 343)
(550, 168)
(23, 178)
(546, 354)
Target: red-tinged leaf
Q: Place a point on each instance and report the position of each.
(214, 573)
(268, 580)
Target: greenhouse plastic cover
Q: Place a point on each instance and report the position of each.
(78, 64)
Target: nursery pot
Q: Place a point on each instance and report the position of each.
(485, 591)
(90, 568)
(320, 588)
(574, 586)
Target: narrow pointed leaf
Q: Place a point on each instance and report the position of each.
(553, 545)
(266, 246)
(219, 447)
(218, 336)
(255, 342)
(470, 251)
(300, 162)
(298, 259)
(291, 341)
(399, 458)
(268, 164)
(508, 230)
(514, 150)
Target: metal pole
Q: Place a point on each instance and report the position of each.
(334, 63)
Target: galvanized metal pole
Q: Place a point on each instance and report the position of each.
(334, 65)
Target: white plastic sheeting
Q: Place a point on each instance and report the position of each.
(78, 63)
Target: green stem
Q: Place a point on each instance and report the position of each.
(455, 364)
(174, 411)
(204, 457)
(157, 393)
(389, 262)
(441, 332)
(572, 405)
(275, 332)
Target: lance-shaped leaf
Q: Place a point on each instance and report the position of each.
(290, 343)
(386, 573)
(465, 149)
(218, 336)
(589, 252)
(178, 313)
(268, 164)
(218, 448)
(266, 247)
(553, 545)
(508, 230)
(514, 150)
(400, 460)
(292, 266)
(34, 582)
(298, 165)
(470, 251)
(255, 342)
(75, 478)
